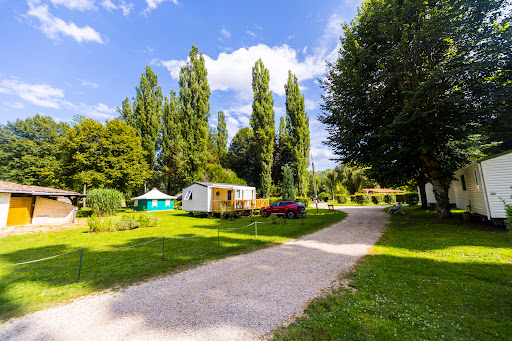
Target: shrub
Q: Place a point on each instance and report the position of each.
(104, 201)
(389, 198)
(98, 224)
(304, 201)
(366, 199)
(146, 219)
(411, 198)
(341, 199)
(353, 198)
(126, 223)
(374, 200)
(84, 212)
(400, 197)
(324, 196)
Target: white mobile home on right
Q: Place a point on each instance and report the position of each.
(484, 184)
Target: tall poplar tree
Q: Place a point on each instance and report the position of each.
(222, 138)
(297, 122)
(172, 144)
(145, 113)
(195, 111)
(262, 124)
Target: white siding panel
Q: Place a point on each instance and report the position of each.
(431, 199)
(474, 193)
(498, 180)
(5, 200)
(199, 202)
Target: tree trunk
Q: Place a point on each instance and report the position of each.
(423, 192)
(440, 183)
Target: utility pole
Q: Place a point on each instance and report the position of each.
(85, 192)
(314, 183)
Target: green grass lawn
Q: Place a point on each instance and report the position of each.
(424, 280)
(34, 286)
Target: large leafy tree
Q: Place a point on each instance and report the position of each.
(242, 156)
(29, 152)
(263, 126)
(145, 113)
(297, 121)
(171, 163)
(101, 155)
(413, 83)
(195, 111)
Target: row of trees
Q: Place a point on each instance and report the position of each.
(420, 89)
(163, 141)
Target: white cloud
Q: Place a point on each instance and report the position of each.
(53, 26)
(122, 5)
(16, 105)
(81, 5)
(251, 33)
(233, 71)
(89, 84)
(310, 105)
(174, 66)
(98, 111)
(225, 33)
(42, 95)
(153, 4)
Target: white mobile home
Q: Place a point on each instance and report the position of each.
(482, 185)
(210, 197)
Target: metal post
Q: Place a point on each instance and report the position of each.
(256, 229)
(80, 266)
(218, 237)
(163, 249)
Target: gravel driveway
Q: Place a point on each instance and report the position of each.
(238, 298)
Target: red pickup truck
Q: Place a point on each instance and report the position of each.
(291, 209)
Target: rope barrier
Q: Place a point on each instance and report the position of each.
(39, 260)
(144, 243)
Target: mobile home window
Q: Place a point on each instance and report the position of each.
(136, 203)
(155, 203)
(237, 194)
(168, 203)
(188, 196)
(463, 181)
(476, 180)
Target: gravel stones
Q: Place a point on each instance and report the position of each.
(238, 298)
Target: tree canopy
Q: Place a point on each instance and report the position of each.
(414, 82)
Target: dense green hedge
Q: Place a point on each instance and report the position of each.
(84, 212)
(324, 196)
(341, 199)
(305, 201)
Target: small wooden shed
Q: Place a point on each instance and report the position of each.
(23, 204)
(153, 200)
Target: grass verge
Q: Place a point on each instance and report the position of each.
(424, 280)
(34, 286)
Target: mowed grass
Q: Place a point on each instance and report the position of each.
(424, 280)
(34, 286)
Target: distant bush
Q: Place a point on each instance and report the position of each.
(126, 222)
(389, 198)
(304, 201)
(104, 201)
(272, 200)
(377, 198)
(411, 199)
(84, 212)
(324, 196)
(341, 199)
(366, 199)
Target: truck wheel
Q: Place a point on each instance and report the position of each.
(290, 214)
(264, 213)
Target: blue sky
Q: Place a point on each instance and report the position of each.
(83, 57)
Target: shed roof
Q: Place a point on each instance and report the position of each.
(153, 194)
(213, 184)
(11, 187)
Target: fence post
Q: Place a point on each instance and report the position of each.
(256, 228)
(80, 265)
(218, 237)
(163, 249)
